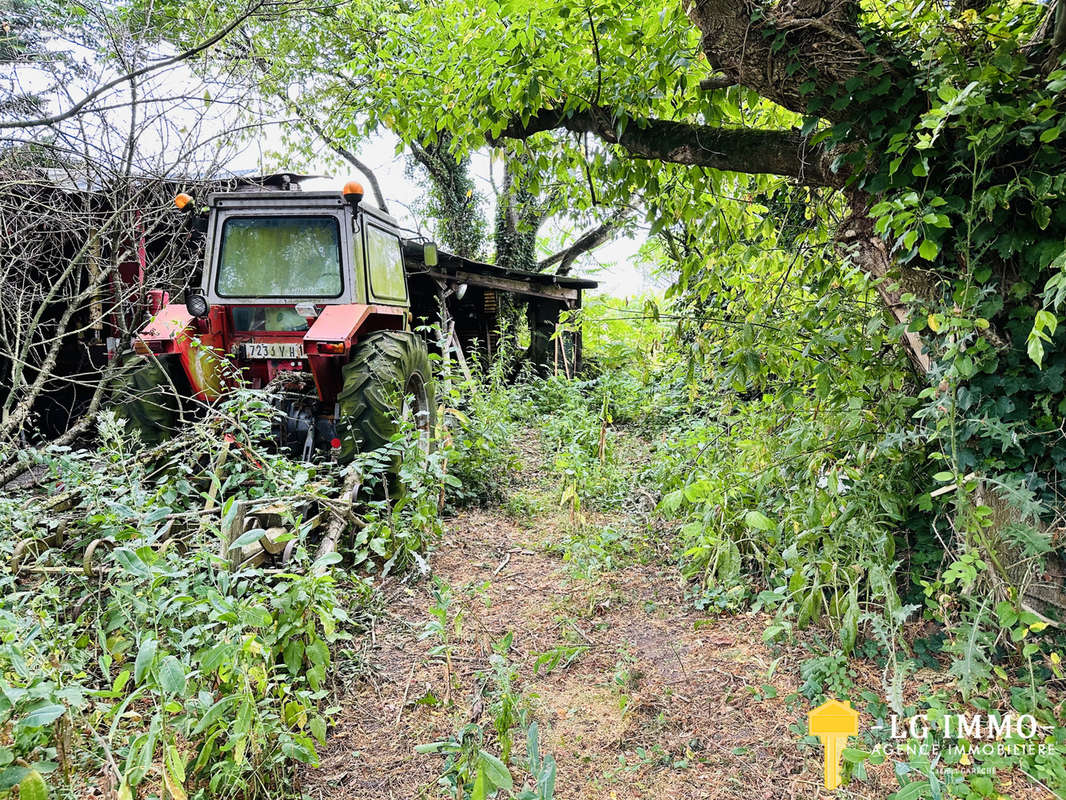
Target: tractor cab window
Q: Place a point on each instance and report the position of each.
(283, 256)
(384, 261)
(268, 318)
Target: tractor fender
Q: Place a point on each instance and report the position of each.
(173, 330)
(328, 342)
(343, 323)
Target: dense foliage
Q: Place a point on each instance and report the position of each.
(845, 411)
(160, 665)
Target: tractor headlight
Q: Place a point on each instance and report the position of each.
(196, 303)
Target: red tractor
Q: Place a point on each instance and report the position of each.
(303, 294)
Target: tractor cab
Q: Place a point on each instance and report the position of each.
(294, 283)
(279, 250)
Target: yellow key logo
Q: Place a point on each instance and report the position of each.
(833, 722)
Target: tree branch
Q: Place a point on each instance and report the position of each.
(587, 241)
(352, 159)
(132, 76)
(429, 161)
(774, 152)
(712, 82)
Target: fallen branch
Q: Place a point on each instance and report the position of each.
(341, 519)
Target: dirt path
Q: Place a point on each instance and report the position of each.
(659, 702)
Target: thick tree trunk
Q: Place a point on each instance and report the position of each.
(518, 218)
(743, 40)
(452, 196)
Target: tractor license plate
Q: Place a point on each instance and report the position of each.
(288, 351)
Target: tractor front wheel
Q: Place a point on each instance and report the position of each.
(388, 378)
(146, 399)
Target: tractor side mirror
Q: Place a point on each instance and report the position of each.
(196, 303)
(429, 254)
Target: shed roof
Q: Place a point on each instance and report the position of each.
(452, 264)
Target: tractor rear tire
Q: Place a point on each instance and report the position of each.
(147, 400)
(386, 369)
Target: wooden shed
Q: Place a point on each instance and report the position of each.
(472, 295)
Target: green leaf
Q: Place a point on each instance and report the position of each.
(912, 791)
(928, 249)
(496, 771)
(174, 787)
(1042, 215)
(172, 676)
(318, 728)
(12, 777)
(1035, 349)
(42, 715)
(317, 653)
(481, 784)
(1045, 320)
(759, 521)
(205, 752)
(120, 682)
(546, 778)
(33, 787)
(175, 763)
(246, 538)
(329, 559)
(214, 714)
(854, 756)
(145, 657)
(293, 655)
(533, 747)
(132, 563)
(257, 617)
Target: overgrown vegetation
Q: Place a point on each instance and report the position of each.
(804, 498)
(166, 670)
(158, 670)
(843, 415)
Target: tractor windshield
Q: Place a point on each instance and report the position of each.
(283, 256)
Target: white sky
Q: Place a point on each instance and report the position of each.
(616, 264)
(172, 117)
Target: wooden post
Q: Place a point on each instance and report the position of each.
(233, 533)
